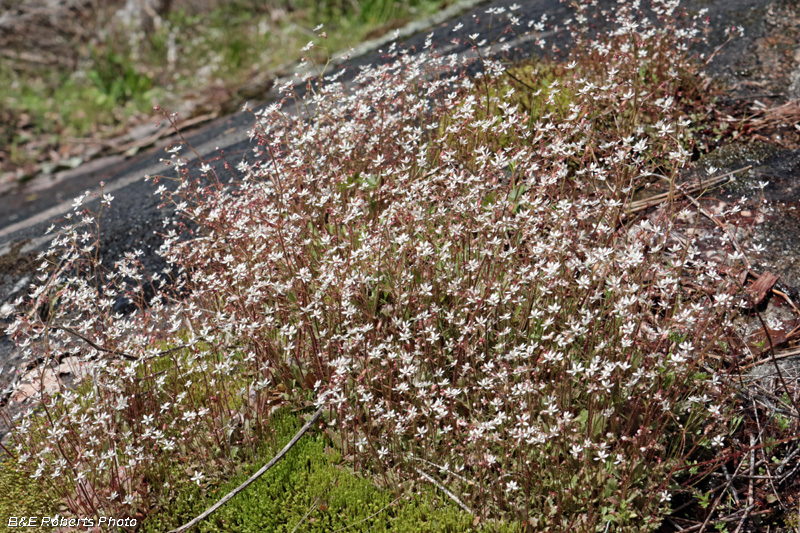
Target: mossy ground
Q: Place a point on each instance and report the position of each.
(310, 489)
(21, 496)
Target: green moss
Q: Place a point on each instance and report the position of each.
(310, 486)
(20, 496)
(532, 81)
(528, 85)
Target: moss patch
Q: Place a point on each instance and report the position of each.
(312, 488)
(20, 496)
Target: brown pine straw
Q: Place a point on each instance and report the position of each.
(699, 186)
(783, 115)
(778, 356)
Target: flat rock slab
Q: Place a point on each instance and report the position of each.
(778, 228)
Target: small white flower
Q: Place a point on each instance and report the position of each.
(575, 450)
(198, 477)
(512, 486)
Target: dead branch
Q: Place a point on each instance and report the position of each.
(252, 478)
(698, 186)
(443, 489)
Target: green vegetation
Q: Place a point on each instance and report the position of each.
(311, 487)
(21, 496)
(452, 267)
(312, 484)
(195, 63)
(460, 292)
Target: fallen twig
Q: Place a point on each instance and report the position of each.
(785, 114)
(731, 488)
(699, 186)
(785, 461)
(782, 355)
(443, 489)
(442, 469)
(311, 510)
(750, 484)
(786, 476)
(727, 519)
(674, 524)
(786, 297)
(702, 527)
(376, 513)
(252, 478)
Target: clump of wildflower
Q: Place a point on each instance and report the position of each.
(453, 276)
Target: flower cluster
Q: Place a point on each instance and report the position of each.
(451, 269)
